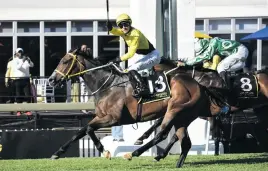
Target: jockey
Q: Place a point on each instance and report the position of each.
(141, 52)
(234, 52)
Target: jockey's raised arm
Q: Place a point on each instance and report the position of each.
(141, 52)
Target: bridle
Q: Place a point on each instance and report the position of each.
(82, 71)
(81, 68)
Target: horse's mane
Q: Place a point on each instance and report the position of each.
(169, 62)
(104, 59)
(97, 61)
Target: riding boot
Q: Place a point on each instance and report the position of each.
(140, 89)
(226, 80)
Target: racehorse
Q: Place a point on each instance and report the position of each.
(115, 104)
(205, 77)
(210, 79)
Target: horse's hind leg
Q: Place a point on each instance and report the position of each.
(185, 145)
(167, 149)
(80, 134)
(157, 123)
(216, 135)
(174, 107)
(163, 133)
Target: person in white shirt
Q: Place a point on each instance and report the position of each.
(21, 71)
(9, 81)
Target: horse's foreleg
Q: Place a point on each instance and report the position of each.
(96, 124)
(157, 123)
(167, 149)
(80, 134)
(185, 145)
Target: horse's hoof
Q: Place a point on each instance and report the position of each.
(138, 142)
(156, 159)
(54, 157)
(107, 154)
(128, 156)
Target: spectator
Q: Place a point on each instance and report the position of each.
(9, 81)
(117, 133)
(75, 89)
(20, 66)
(86, 50)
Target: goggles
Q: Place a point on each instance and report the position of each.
(124, 24)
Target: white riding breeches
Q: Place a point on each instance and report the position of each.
(140, 62)
(235, 61)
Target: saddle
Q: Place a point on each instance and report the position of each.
(244, 85)
(157, 83)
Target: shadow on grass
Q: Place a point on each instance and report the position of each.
(261, 159)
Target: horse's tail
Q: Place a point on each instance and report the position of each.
(215, 97)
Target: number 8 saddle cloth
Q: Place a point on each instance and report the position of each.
(244, 85)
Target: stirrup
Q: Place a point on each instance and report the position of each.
(225, 110)
(135, 94)
(138, 92)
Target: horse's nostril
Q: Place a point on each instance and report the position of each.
(51, 79)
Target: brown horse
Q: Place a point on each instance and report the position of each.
(205, 77)
(115, 104)
(213, 79)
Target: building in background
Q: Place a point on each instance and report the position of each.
(48, 29)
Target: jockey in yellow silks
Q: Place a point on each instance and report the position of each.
(141, 53)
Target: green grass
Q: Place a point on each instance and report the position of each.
(227, 162)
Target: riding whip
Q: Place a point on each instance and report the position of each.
(107, 8)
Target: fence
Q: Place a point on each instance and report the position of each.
(42, 92)
(42, 143)
(46, 108)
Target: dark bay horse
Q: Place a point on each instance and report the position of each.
(115, 104)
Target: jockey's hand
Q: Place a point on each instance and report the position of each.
(116, 60)
(180, 64)
(7, 84)
(109, 25)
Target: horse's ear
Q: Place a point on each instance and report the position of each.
(76, 50)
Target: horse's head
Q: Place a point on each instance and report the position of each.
(71, 65)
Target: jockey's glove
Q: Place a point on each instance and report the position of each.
(116, 60)
(109, 25)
